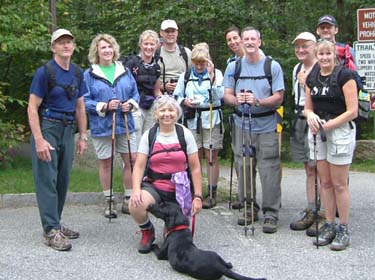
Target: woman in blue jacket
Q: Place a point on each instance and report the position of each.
(111, 88)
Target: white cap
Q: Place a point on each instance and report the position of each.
(59, 33)
(305, 36)
(168, 23)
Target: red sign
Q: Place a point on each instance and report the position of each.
(366, 24)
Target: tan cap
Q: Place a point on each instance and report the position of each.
(59, 33)
(168, 23)
(305, 36)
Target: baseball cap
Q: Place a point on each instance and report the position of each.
(168, 23)
(59, 33)
(305, 36)
(327, 19)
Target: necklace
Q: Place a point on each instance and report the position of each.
(323, 80)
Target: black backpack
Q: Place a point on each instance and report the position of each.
(151, 141)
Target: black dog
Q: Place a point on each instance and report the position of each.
(181, 252)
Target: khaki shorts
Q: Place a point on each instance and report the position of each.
(299, 146)
(203, 138)
(339, 147)
(103, 145)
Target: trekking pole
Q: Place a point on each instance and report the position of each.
(128, 140)
(251, 158)
(231, 164)
(112, 161)
(324, 139)
(244, 153)
(193, 226)
(210, 156)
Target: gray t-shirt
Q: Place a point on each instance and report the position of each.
(261, 89)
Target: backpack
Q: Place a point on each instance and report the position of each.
(50, 73)
(267, 75)
(347, 60)
(151, 141)
(182, 53)
(313, 76)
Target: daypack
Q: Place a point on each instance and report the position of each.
(347, 60)
(151, 141)
(182, 53)
(50, 73)
(268, 75)
(313, 76)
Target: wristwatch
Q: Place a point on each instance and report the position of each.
(257, 103)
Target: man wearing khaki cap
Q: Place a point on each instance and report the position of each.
(304, 47)
(174, 59)
(56, 105)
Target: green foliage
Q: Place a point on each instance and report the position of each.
(25, 32)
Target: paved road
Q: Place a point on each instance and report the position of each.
(108, 250)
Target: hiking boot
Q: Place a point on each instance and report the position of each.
(209, 203)
(311, 231)
(148, 236)
(238, 205)
(342, 239)
(270, 225)
(241, 220)
(125, 206)
(306, 219)
(69, 233)
(56, 240)
(113, 213)
(327, 235)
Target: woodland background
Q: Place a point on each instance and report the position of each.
(25, 28)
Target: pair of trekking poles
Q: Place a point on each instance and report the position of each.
(113, 142)
(248, 155)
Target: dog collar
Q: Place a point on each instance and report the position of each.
(177, 228)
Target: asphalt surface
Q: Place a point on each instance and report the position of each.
(108, 250)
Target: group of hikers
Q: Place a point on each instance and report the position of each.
(161, 111)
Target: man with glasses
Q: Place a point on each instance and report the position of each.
(304, 47)
(174, 59)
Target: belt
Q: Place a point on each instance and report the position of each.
(65, 122)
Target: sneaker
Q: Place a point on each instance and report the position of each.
(125, 206)
(113, 213)
(311, 231)
(69, 233)
(56, 240)
(241, 220)
(209, 203)
(327, 235)
(148, 236)
(342, 239)
(270, 225)
(306, 219)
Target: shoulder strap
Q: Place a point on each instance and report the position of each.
(268, 70)
(184, 56)
(335, 75)
(157, 55)
(181, 138)
(186, 80)
(299, 67)
(78, 75)
(51, 76)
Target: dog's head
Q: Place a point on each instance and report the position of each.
(170, 213)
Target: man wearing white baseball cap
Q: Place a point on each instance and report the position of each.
(174, 59)
(304, 47)
(56, 105)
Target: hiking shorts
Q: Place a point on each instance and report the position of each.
(157, 194)
(103, 145)
(339, 147)
(203, 138)
(299, 145)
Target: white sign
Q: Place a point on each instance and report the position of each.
(365, 61)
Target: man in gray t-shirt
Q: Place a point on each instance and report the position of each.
(255, 104)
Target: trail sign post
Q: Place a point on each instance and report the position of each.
(366, 24)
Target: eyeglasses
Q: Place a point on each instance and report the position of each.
(303, 47)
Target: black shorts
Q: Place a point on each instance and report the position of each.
(159, 195)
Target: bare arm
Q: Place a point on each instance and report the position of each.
(196, 174)
(42, 146)
(351, 101)
(137, 176)
(82, 126)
